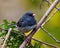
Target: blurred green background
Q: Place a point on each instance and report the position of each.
(12, 10)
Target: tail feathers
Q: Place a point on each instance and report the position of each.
(13, 25)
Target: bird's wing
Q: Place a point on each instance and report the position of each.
(30, 21)
(26, 21)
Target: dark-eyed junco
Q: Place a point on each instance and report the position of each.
(26, 22)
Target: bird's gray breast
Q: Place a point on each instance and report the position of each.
(26, 29)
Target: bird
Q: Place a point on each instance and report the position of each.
(27, 22)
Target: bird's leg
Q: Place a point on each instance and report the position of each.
(29, 42)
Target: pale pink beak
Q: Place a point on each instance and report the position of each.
(33, 14)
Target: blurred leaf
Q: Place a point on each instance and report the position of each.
(29, 46)
(13, 22)
(35, 2)
(36, 45)
(1, 25)
(6, 24)
(5, 21)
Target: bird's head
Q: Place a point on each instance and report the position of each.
(30, 14)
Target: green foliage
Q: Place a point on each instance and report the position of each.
(36, 45)
(16, 38)
(36, 2)
(6, 24)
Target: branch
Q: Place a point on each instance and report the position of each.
(41, 41)
(6, 38)
(49, 18)
(39, 24)
(44, 43)
(50, 35)
(47, 31)
(51, 3)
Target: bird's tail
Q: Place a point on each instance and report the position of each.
(13, 25)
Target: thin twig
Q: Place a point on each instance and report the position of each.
(44, 43)
(51, 3)
(50, 35)
(39, 24)
(6, 38)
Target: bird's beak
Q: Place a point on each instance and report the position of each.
(33, 14)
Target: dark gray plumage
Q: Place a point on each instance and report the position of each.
(26, 22)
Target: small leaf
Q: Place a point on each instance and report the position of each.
(37, 45)
(5, 21)
(1, 25)
(13, 22)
